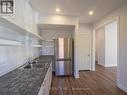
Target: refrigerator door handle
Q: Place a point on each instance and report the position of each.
(64, 59)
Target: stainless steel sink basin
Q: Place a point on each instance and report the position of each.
(38, 62)
(29, 66)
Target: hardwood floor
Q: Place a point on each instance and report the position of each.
(100, 82)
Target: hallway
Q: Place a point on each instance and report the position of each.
(100, 82)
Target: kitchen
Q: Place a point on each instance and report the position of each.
(39, 48)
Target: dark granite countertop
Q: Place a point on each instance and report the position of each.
(45, 58)
(24, 81)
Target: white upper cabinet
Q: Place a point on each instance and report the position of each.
(29, 18)
(23, 17)
(18, 17)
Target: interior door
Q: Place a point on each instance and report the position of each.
(84, 51)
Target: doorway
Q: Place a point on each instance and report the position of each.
(106, 51)
(106, 45)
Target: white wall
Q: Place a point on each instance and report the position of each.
(121, 14)
(111, 44)
(100, 46)
(85, 28)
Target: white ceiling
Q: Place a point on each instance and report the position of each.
(78, 8)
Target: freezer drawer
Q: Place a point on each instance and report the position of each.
(64, 67)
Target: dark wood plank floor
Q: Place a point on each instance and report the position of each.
(100, 82)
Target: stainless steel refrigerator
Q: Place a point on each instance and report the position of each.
(63, 49)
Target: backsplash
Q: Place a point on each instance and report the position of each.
(11, 57)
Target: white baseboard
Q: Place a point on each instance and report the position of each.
(110, 65)
(122, 87)
(101, 64)
(76, 76)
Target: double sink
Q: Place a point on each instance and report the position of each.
(36, 64)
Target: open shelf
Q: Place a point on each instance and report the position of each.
(49, 40)
(4, 42)
(50, 46)
(37, 46)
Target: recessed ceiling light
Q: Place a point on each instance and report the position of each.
(91, 12)
(57, 10)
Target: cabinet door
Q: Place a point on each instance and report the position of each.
(45, 89)
(42, 90)
(48, 80)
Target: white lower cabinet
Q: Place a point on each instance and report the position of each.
(46, 85)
